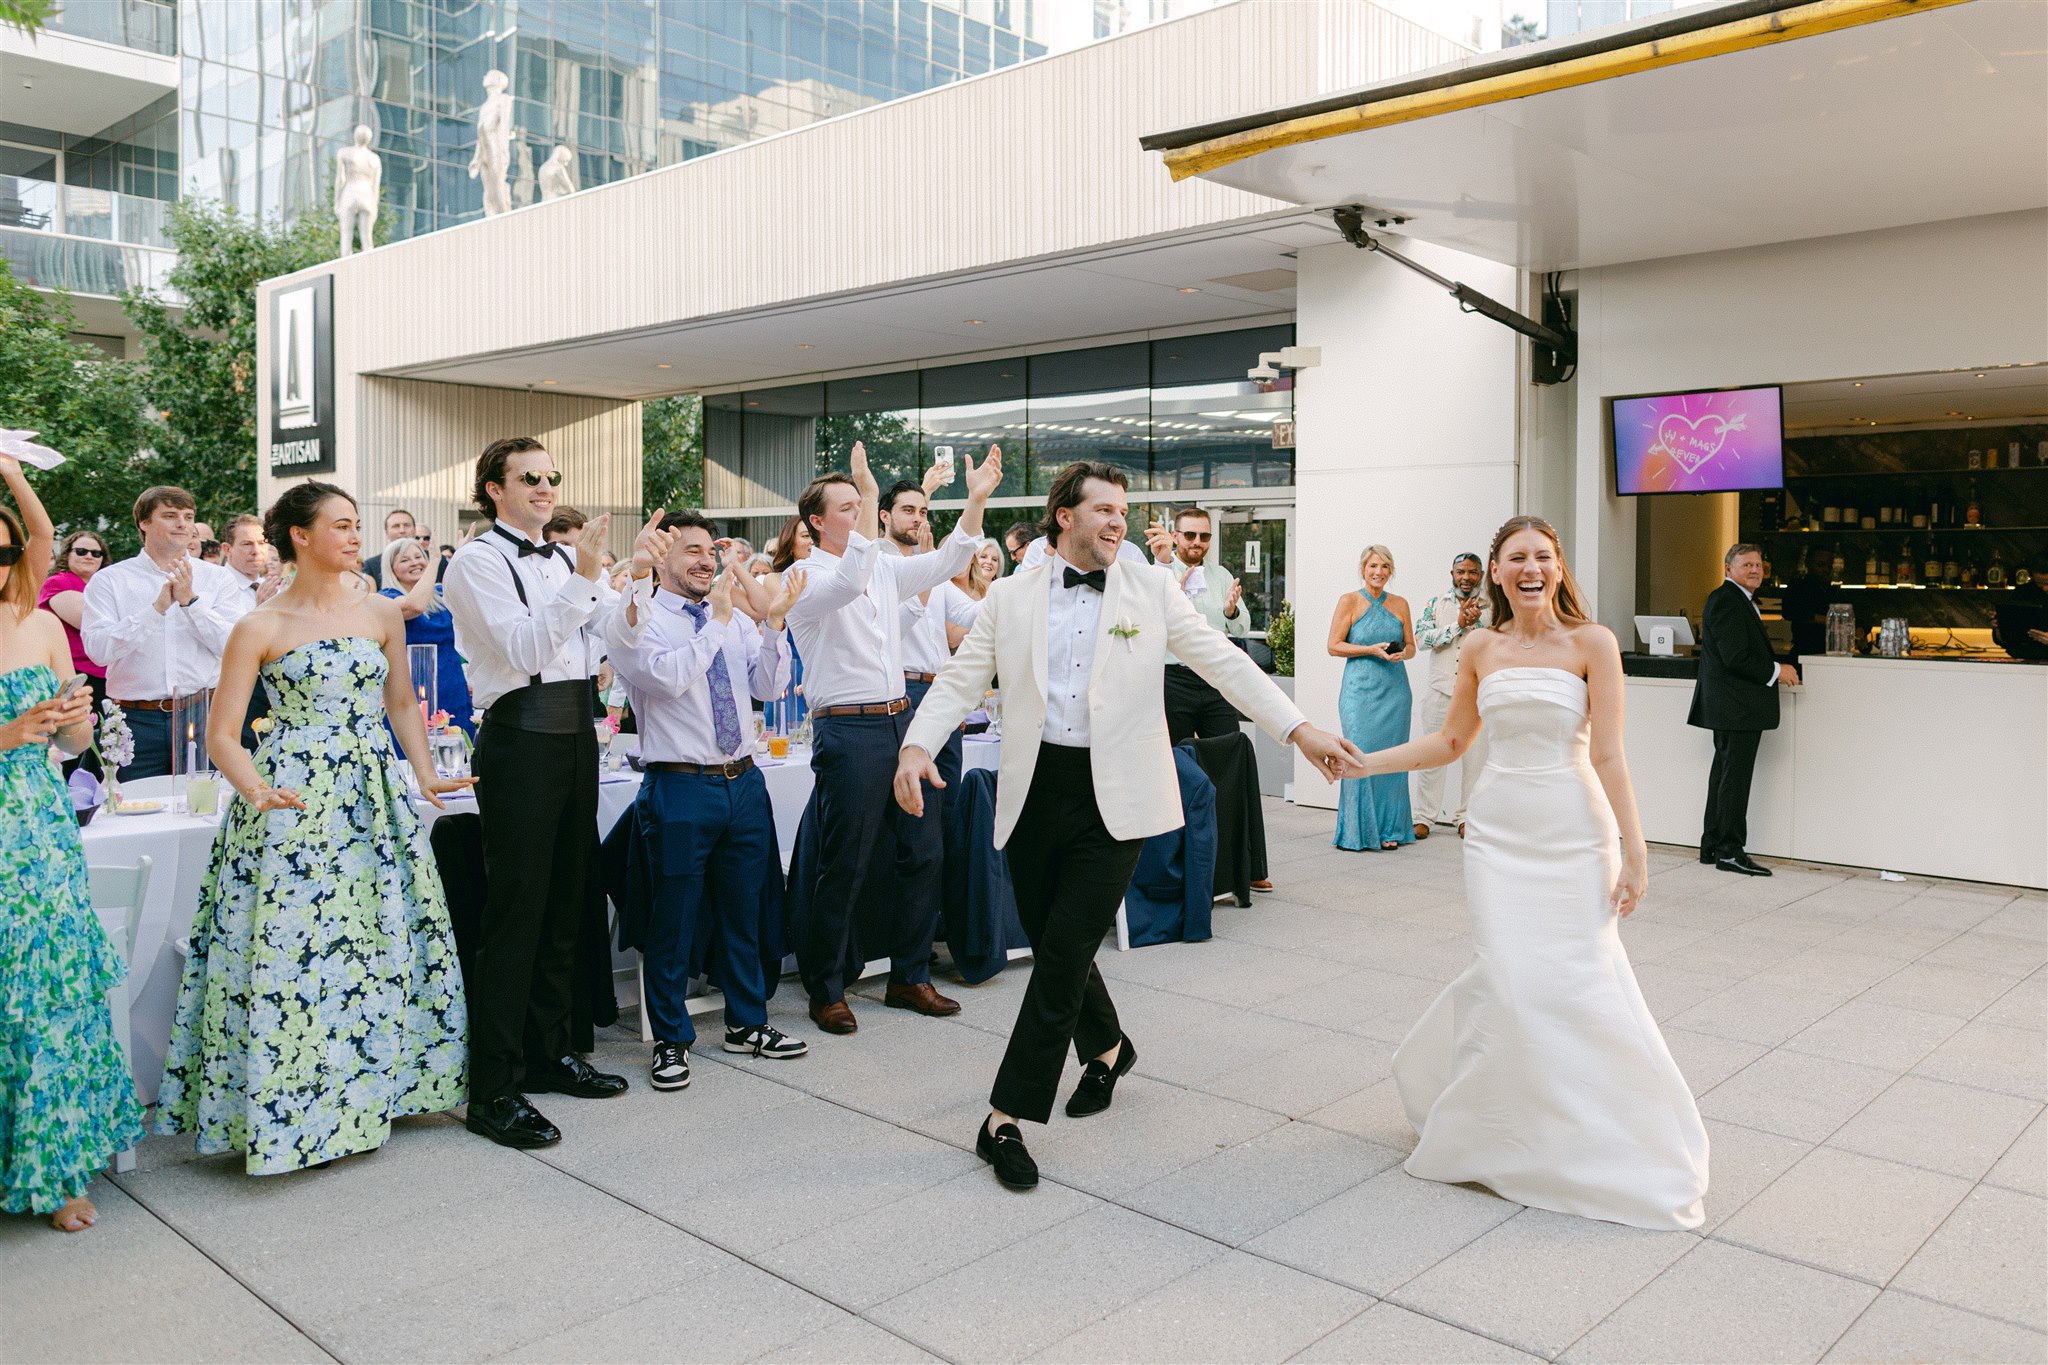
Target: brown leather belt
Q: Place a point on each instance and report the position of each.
(873, 708)
(728, 771)
(908, 676)
(142, 705)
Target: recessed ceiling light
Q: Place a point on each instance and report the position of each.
(1189, 289)
(804, 346)
(1173, 357)
(1955, 412)
(661, 365)
(974, 322)
(547, 381)
(1859, 383)
(867, 390)
(753, 402)
(1980, 376)
(1006, 374)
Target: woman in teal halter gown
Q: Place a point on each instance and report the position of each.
(1372, 632)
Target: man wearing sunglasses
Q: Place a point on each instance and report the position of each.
(525, 611)
(1194, 709)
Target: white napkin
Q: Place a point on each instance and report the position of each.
(22, 446)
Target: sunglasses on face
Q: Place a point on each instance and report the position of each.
(534, 478)
(1196, 535)
(88, 552)
(10, 555)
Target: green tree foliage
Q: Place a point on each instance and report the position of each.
(87, 405)
(1280, 639)
(671, 454)
(200, 361)
(30, 16)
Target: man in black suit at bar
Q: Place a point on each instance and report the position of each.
(1737, 699)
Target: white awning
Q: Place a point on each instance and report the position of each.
(1904, 114)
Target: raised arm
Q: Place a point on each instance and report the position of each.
(832, 588)
(42, 533)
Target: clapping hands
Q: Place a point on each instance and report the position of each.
(590, 546)
(652, 545)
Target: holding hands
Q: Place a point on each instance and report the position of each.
(1333, 755)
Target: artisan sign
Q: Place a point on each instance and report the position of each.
(302, 379)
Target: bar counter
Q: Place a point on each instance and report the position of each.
(1937, 766)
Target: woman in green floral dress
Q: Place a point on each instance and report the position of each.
(322, 998)
(67, 1102)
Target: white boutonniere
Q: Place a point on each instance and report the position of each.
(1125, 630)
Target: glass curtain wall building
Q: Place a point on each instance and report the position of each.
(273, 88)
(1178, 415)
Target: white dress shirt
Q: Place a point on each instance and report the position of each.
(155, 657)
(846, 624)
(504, 643)
(665, 662)
(925, 648)
(1071, 616)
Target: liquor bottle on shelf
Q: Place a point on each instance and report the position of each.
(1884, 571)
(1930, 569)
(1973, 515)
(1976, 460)
(1991, 457)
(1969, 571)
(1994, 576)
(2012, 455)
(1884, 516)
(2022, 575)
(1839, 567)
(1870, 569)
(1951, 575)
(1934, 513)
(1905, 573)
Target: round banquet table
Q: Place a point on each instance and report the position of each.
(180, 846)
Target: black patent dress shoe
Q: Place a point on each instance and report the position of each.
(1098, 1082)
(1741, 862)
(510, 1121)
(571, 1075)
(1004, 1150)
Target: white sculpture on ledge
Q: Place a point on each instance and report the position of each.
(358, 191)
(493, 158)
(557, 180)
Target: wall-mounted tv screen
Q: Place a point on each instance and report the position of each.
(1717, 441)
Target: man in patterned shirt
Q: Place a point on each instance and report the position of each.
(1445, 622)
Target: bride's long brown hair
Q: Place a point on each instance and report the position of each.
(1570, 608)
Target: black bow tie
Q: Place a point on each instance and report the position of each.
(1093, 578)
(526, 547)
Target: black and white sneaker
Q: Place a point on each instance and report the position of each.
(764, 1042)
(671, 1070)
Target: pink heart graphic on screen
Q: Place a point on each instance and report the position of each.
(1693, 441)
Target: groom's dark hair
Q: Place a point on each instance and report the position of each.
(1067, 489)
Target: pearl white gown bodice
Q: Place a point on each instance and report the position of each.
(1539, 1073)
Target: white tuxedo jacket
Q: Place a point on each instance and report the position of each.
(1136, 788)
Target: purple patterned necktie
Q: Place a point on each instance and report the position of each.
(725, 716)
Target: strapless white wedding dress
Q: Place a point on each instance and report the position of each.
(1539, 1072)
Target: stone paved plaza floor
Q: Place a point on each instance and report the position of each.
(1869, 1057)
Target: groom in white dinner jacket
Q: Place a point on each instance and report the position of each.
(1087, 775)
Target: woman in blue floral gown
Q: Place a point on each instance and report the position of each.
(322, 997)
(1372, 633)
(67, 1102)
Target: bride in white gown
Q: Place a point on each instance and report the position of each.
(1539, 1072)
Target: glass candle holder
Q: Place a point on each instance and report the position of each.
(424, 662)
(189, 757)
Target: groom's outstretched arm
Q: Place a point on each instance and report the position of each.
(1227, 668)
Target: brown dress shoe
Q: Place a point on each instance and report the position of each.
(1461, 829)
(834, 1018)
(1262, 885)
(921, 998)
(1421, 830)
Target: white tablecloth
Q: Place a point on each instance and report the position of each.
(181, 845)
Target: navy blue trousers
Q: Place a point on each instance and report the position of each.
(152, 731)
(713, 855)
(948, 761)
(864, 834)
